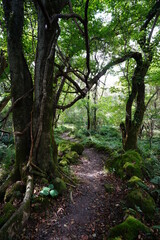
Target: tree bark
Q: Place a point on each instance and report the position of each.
(21, 81)
(45, 150)
(133, 124)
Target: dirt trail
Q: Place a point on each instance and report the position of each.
(91, 211)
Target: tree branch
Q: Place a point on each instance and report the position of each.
(87, 41)
(67, 16)
(75, 20)
(69, 78)
(154, 24)
(70, 104)
(15, 103)
(151, 98)
(4, 102)
(135, 55)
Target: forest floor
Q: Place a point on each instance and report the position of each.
(86, 212)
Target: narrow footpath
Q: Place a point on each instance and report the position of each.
(88, 211)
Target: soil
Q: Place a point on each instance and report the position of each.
(86, 212)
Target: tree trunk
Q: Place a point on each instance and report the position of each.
(132, 126)
(95, 108)
(45, 150)
(21, 82)
(88, 112)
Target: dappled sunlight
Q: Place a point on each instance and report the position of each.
(93, 174)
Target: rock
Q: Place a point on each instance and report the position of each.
(128, 230)
(132, 169)
(59, 185)
(77, 147)
(127, 165)
(72, 157)
(63, 148)
(140, 198)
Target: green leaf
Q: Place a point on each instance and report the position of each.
(54, 193)
(156, 227)
(45, 191)
(155, 180)
(51, 186)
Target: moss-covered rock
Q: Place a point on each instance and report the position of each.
(64, 162)
(63, 148)
(59, 185)
(128, 230)
(77, 147)
(109, 188)
(140, 198)
(126, 165)
(8, 210)
(134, 181)
(132, 169)
(72, 157)
(13, 191)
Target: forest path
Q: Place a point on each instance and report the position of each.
(89, 213)
(85, 216)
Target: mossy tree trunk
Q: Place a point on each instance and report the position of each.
(21, 82)
(130, 129)
(39, 146)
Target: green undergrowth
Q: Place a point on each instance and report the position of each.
(8, 210)
(105, 138)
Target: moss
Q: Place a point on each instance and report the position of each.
(77, 147)
(40, 203)
(127, 164)
(117, 238)
(12, 191)
(133, 181)
(63, 162)
(8, 210)
(44, 181)
(109, 188)
(140, 198)
(132, 169)
(72, 157)
(128, 230)
(63, 148)
(59, 185)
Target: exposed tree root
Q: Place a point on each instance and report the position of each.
(19, 218)
(65, 175)
(8, 182)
